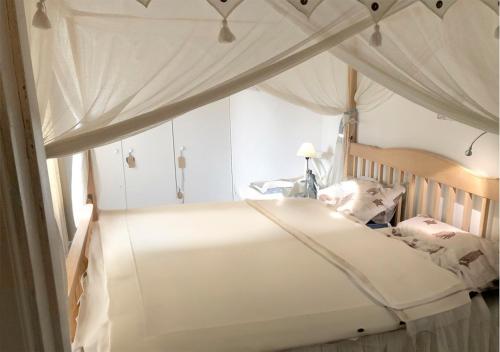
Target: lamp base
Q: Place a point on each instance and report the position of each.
(311, 185)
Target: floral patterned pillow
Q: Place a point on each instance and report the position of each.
(361, 198)
(472, 258)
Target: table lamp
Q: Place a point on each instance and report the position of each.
(307, 151)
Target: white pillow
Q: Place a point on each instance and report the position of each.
(472, 258)
(361, 198)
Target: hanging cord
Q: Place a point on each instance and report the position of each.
(376, 37)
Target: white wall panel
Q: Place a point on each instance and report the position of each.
(205, 133)
(152, 181)
(108, 176)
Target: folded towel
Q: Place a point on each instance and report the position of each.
(274, 186)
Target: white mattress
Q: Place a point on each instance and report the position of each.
(223, 277)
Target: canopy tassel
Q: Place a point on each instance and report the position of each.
(225, 34)
(40, 19)
(496, 32)
(376, 37)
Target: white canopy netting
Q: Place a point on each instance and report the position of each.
(109, 69)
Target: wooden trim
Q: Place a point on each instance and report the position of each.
(76, 264)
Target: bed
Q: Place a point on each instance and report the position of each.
(274, 275)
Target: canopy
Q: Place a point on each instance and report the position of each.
(109, 69)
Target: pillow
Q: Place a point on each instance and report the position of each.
(361, 198)
(387, 215)
(472, 258)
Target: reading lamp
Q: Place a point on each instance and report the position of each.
(468, 152)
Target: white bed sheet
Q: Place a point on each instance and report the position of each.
(169, 287)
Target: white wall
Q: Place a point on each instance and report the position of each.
(401, 123)
(266, 133)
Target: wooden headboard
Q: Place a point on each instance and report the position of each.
(429, 178)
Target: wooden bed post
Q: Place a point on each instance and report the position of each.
(91, 193)
(33, 303)
(350, 130)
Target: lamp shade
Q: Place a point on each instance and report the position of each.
(307, 150)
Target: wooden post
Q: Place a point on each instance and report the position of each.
(91, 192)
(34, 301)
(350, 130)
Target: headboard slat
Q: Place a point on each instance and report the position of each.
(381, 172)
(411, 196)
(485, 210)
(363, 167)
(422, 199)
(436, 201)
(391, 175)
(467, 213)
(450, 205)
(371, 169)
(355, 166)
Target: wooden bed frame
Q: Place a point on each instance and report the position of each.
(389, 165)
(77, 258)
(429, 178)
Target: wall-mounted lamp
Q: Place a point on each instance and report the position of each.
(468, 152)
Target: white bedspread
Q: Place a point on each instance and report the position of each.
(258, 276)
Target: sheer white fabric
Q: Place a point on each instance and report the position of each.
(320, 84)
(110, 69)
(447, 65)
(57, 200)
(471, 328)
(118, 68)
